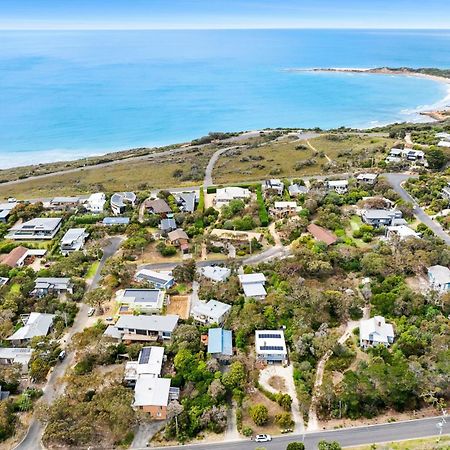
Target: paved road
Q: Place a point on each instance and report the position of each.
(396, 180)
(208, 181)
(346, 437)
(54, 388)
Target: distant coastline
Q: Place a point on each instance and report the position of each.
(438, 75)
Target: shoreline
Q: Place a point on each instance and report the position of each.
(436, 114)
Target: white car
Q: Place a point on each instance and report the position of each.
(91, 312)
(263, 438)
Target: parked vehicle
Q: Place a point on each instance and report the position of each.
(91, 312)
(263, 438)
(62, 355)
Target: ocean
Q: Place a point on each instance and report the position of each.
(71, 94)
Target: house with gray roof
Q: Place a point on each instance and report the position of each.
(253, 285)
(382, 217)
(73, 240)
(143, 328)
(158, 279)
(35, 229)
(35, 324)
(64, 203)
(274, 185)
(296, 189)
(5, 210)
(215, 273)
(210, 312)
(51, 285)
(338, 186)
(119, 201)
(186, 201)
(111, 221)
(166, 225)
(439, 278)
(158, 206)
(141, 301)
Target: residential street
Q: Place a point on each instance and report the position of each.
(346, 437)
(54, 387)
(396, 180)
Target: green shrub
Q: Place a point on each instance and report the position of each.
(259, 414)
(263, 214)
(247, 431)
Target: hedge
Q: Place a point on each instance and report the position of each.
(263, 214)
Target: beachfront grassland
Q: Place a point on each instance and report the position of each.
(128, 175)
(302, 158)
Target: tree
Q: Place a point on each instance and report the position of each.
(216, 390)
(259, 414)
(296, 446)
(185, 273)
(284, 420)
(97, 298)
(324, 445)
(174, 409)
(7, 420)
(235, 377)
(436, 158)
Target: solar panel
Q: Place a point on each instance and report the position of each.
(269, 336)
(144, 356)
(271, 347)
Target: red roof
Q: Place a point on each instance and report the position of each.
(14, 256)
(322, 234)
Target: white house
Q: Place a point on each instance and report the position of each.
(285, 208)
(52, 285)
(73, 240)
(273, 185)
(215, 273)
(375, 331)
(96, 202)
(439, 278)
(339, 186)
(270, 346)
(143, 301)
(401, 232)
(227, 194)
(35, 229)
(210, 312)
(253, 285)
(158, 279)
(15, 355)
(296, 189)
(119, 201)
(149, 362)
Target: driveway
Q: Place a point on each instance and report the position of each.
(54, 387)
(145, 433)
(287, 374)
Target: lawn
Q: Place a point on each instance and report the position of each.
(91, 272)
(416, 444)
(137, 175)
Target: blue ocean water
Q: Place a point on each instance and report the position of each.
(77, 93)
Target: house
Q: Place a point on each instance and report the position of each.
(339, 186)
(13, 355)
(297, 189)
(443, 143)
(253, 285)
(227, 194)
(321, 234)
(179, 238)
(35, 324)
(270, 346)
(110, 221)
(167, 225)
(45, 286)
(64, 203)
(143, 301)
(119, 201)
(375, 331)
(3, 281)
(215, 273)
(157, 279)
(382, 217)
(158, 206)
(397, 154)
(285, 209)
(149, 362)
(444, 136)
(96, 202)
(3, 394)
(210, 312)
(131, 328)
(401, 232)
(220, 343)
(151, 395)
(439, 278)
(367, 178)
(186, 201)
(5, 210)
(446, 192)
(39, 228)
(16, 257)
(73, 240)
(274, 185)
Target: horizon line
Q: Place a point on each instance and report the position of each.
(221, 28)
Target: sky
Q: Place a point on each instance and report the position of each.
(207, 14)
